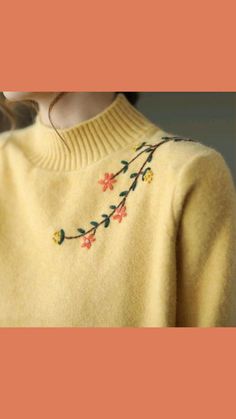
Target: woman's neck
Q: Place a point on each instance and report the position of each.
(72, 107)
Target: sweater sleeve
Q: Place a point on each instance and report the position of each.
(205, 215)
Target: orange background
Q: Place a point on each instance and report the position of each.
(117, 373)
(127, 45)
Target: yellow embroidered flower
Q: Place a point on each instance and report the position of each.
(148, 176)
(58, 236)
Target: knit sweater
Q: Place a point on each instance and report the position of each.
(121, 225)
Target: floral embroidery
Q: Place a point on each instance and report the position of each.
(148, 175)
(59, 236)
(119, 214)
(107, 182)
(119, 211)
(88, 240)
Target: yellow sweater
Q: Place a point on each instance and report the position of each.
(128, 226)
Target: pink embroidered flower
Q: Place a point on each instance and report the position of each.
(88, 241)
(107, 181)
(120, 213)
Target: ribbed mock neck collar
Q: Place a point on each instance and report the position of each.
(115, 128)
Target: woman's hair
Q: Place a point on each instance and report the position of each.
(21, 113)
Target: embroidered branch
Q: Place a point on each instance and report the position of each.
(119, 211)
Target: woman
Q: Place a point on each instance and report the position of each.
(108, 220)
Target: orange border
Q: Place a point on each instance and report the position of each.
(118, 373)
(129, 45)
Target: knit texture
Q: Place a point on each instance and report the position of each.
(127, 226)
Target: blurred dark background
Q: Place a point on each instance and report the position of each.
(207, 117)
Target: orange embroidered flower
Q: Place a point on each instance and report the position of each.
(107, 181)
(88, 241)
(120, 213)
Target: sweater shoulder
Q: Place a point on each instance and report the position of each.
(196, 174)
(177, 153)
(13, 142)
(13, 138)
(4, 137)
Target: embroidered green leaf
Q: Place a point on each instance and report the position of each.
(112, 206)
(124, 193)
(149, 158)
(141, 145)
(107, 222)
(104, 215)
(126, 165)
(133, 174)
(81, 230)
(134, 185)
(147, 168)
(62, 236)
(147, 150)
(94, 223)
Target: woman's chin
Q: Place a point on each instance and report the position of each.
(17, 95)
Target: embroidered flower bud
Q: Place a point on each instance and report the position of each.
(107, 181)
(59, 236)
(88, 240)
(148, 176)
(120, 213)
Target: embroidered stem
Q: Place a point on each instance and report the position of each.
(121, 170)
(119, 209)
(122, 202)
